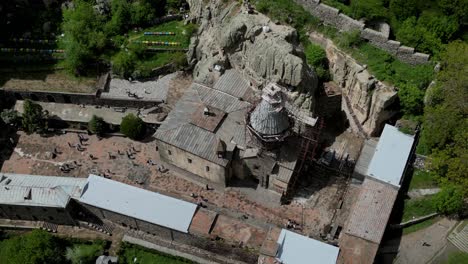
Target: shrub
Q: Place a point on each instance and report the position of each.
(411, 99)
(132, 126)
(33, 117)
(10, 117)
(449, 200)
(123, 64)
(350, 39)
(84, 254)
(317, 57)
(97, 125)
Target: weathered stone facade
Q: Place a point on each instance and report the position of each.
(366, 101)
(205, 169)
(37, 213)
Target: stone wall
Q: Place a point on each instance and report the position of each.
(74, 98)
(332, 16)
(36, 213)
(198, 166)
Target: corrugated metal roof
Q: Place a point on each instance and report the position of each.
(298, 249)
(372, 210)
(269, 120)
(391, 156)
(178, 131)
(35, 190)
(138, 203)
(232, 82)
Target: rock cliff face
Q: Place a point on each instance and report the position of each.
(251, 43)
(366, 101)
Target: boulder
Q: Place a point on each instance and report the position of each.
(231, 37)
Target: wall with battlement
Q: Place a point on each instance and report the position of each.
(332, 16)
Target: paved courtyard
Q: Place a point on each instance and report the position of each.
(109, 157)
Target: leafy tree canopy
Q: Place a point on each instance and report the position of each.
(97, 125)
(132, 126)
(33, 117)
(449, 200)
(84, 38)
(36, 247)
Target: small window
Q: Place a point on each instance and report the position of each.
(207, 168)
(157, 148)
(189, 160)
(169, 152)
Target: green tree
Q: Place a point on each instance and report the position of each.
(97, 125)
(132, 126)
(411, 99)
(124, 63)
(34, 119)
(402, 9)
(414, 34)
(370, 9)
(449, 200)
(36, 247)
(317, 57)
(10, 117)
(85, 254)
(84, 39)
(120, 19)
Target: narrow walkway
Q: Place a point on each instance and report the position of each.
(421, 246)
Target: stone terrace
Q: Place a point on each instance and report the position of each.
(32, 156)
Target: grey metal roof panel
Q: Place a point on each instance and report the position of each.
(391, 155)
(298, 249)
(267, 120)
(220, 100)
(370, 214)
(178, 131)
(365, 157)
(48, 191)
(195, 140)
(138, 203)
(232, 82)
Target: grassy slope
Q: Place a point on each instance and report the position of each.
(421, 180)
(145, 256)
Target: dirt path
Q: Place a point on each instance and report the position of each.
(421, 246)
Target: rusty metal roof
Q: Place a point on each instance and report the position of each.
(369, 216)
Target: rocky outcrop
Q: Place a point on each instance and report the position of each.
(229, 37)
(366, 101)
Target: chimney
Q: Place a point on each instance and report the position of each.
(206, 111)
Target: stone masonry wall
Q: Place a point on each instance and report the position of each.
(332, 16)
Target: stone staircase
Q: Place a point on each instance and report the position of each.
(104, 228)
(460, 239)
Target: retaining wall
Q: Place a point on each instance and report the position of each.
(332, 16)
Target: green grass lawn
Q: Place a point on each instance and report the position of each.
(415, 208)
(146, 256)
(182, 34)
(422, 180)
(457, 258)
(419, 226)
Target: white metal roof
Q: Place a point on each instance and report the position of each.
(138, 203)
(298, 249)
(35, 190)
(391, 156)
